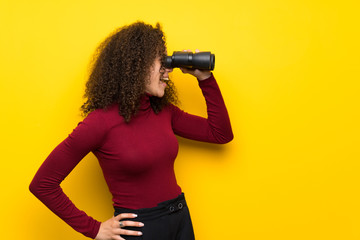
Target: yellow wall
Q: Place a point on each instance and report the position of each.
(288, 70)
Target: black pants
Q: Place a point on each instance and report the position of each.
(170, 220)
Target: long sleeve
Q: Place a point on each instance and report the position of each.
(86, 137)
(216, 128)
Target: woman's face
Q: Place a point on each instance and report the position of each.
(156, 85)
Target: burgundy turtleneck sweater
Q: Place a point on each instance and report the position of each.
(137, 158)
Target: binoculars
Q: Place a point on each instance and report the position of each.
(200, 60)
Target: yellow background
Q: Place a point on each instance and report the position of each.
(289, 73)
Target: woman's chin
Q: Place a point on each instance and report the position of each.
(160, 94)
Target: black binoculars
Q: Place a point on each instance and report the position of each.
(200, 60)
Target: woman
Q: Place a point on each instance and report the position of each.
(130, 125)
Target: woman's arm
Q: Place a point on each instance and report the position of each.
(216, 128)
(86, 137)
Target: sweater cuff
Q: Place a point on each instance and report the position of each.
(95, 231)
(207, 80)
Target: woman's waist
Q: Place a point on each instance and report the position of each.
(163, 208)
(144, 199)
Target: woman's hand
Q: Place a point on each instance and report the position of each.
(111, 230)
(199, 74)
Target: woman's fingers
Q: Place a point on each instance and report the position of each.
(121, 231)
(125, 215)
(120, 224)
(188, 50)
(111, 229)
(127, 223)
(131, 224)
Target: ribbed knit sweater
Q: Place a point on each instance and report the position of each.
(137, 158)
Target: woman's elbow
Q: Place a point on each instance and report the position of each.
(34, 187)
(38, 187)
(223, 139)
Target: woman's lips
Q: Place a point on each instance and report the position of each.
(162, 81)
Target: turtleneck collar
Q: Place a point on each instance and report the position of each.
(145, 102)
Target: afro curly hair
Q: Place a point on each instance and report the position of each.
(120, 68)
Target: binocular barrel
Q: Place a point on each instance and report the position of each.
(200, 60)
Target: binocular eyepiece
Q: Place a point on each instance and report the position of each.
(200, 60)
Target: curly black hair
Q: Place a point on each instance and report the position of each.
(120, 68)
